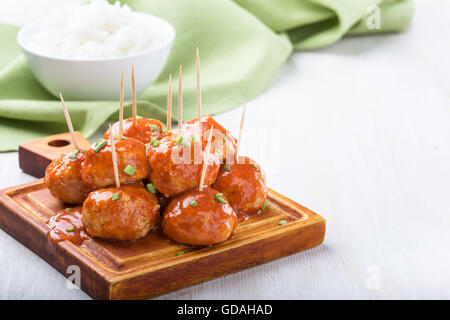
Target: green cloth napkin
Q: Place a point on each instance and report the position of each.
(242, 45)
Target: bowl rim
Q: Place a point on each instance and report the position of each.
(166, 42)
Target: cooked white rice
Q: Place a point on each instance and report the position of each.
(94, 31)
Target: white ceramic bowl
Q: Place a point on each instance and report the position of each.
(97, 79)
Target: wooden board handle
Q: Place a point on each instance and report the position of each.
(36, 155)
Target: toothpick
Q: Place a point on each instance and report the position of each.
(121, 107)
(133, 96)
(69, 123)
(114, 160)
(199, 94)
(169, 105)
(240, 133)
(180, 101)
(205, 159)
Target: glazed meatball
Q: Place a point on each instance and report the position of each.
(223, 141)
(63, 178)
(244, 185)
(144, 130)
(176, 165)
(97, 169)
(199, 218)
(125, 213)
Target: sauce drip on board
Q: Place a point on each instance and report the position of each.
(66, 225)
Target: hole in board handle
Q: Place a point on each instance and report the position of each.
(58, 143)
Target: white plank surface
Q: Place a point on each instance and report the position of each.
(365, 143)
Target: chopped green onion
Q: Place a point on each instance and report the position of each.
(129, 170)
(219, 197)
(185, 143)
(154, 127)
(264, 206)
(195, 138)
(226, 167)
(154, 142)
(68, 209)
(151, 188)
(70, 229)
(100, 144)
(115, 196)
(282, 222)
(73, 155)
(179, 253)
(255, 165)
(120, 137)
(148, 145)
(164, 129)
(193, 203)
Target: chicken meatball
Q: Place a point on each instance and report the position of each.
(145, 129)
(125, 213)
(244, 185)
(176, 165)
(63, 178)
(223, 141)
(199, 218)
(97, 169)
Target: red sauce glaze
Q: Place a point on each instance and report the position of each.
(175, 168)
(207, 223)
(130, 217)
(223, 141)
(66, 225)
(143, 131)
(63, 179)
(162, 200)
(244, 185)
(98, 171)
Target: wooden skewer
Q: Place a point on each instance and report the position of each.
(121, 107)
(69, 123)
(180, 101)
(114, 160)
(240, 133)
(133, 96)
(169, 105)
(199, 93)
(205, 159)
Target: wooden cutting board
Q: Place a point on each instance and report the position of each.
(150, 267)
(36, 155)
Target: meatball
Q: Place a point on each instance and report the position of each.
(244, 185)
(199, 218)
(223, 141)
(125, 213)
(63, 178)
(98, 171)
(176, 165)
(144, 130)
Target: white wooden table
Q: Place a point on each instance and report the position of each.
(365, 142)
